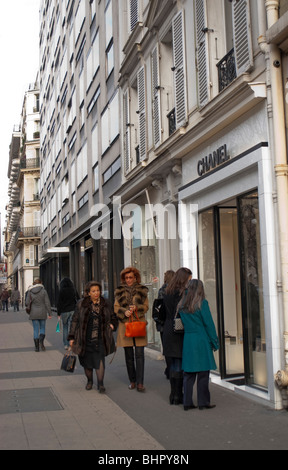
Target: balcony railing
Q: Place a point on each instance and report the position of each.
(226, 70)
(29, 232)
(29, 163)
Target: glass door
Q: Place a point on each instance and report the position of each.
(252, 291)
(229, 255)
(231, 292)
(219, 269)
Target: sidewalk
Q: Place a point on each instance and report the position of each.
(43, 408)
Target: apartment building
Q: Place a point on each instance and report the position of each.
(204, 139)
(165, 121)
(22, 231)
(80, 140)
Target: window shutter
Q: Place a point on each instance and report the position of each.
(242, 36)
(179, 69)
(202, 52)
(31, 255)
(134, 14)
(142, 113)
(156, 96)
(126, 116)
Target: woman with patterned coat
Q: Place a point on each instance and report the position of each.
(91, 331)
(131, 298)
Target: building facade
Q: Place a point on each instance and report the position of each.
(80, 140)
(204, 137)
(164, 144)
(22, 231)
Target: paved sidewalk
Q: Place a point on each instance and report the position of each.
(43, 408)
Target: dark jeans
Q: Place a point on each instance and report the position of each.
(135, 374)
(203, 394)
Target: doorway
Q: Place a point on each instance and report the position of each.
(230, 267)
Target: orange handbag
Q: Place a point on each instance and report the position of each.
(135, 328)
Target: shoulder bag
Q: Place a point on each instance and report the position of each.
(178, 326)
(135, 328)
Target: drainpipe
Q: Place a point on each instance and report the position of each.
(276, 107)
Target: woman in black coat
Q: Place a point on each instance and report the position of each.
(173, 342)
(66, 304)
(91, 333)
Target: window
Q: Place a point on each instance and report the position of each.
(107, 175)
(81, 164)
(110, 123)
(96, 178)
(84, 199)
(93, 60)
(109, 40)
(93, 100)
(234, 46)
(110, 59)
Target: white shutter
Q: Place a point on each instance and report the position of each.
(134, 14)
(202, 52)
(31, 255)
(142, 113)
(242, 36)
(156, 96)
(179, 69)
(126, 122)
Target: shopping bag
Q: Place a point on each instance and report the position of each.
(58, 328)
(68, 362)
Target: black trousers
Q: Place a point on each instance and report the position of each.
(135, 364)
(203, 394)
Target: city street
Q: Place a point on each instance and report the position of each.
(69, 417)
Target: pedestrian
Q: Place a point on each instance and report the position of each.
(173, 342)
(4, 297)
(66, 304)
(131, 300)
(168, 275)
(38, 300)
(200, 340)
(15, 299)
(91, 333)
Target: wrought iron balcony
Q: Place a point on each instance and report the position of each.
(29, 232)
(29, 163)
(226, 70)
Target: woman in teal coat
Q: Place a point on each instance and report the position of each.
(200, 339)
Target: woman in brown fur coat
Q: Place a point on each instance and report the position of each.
(131, 297)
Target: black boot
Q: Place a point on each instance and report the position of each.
(36, 342)
(178, 397)
(41, 340)
(173, 387)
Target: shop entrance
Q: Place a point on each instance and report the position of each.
(230, 266)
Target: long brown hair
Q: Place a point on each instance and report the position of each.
(179, 281)
(195, 296)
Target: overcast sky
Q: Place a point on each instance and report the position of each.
(19, 42)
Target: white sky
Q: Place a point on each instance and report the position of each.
(19, 43)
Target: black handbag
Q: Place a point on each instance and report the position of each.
(158, 311)
(68, 362)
